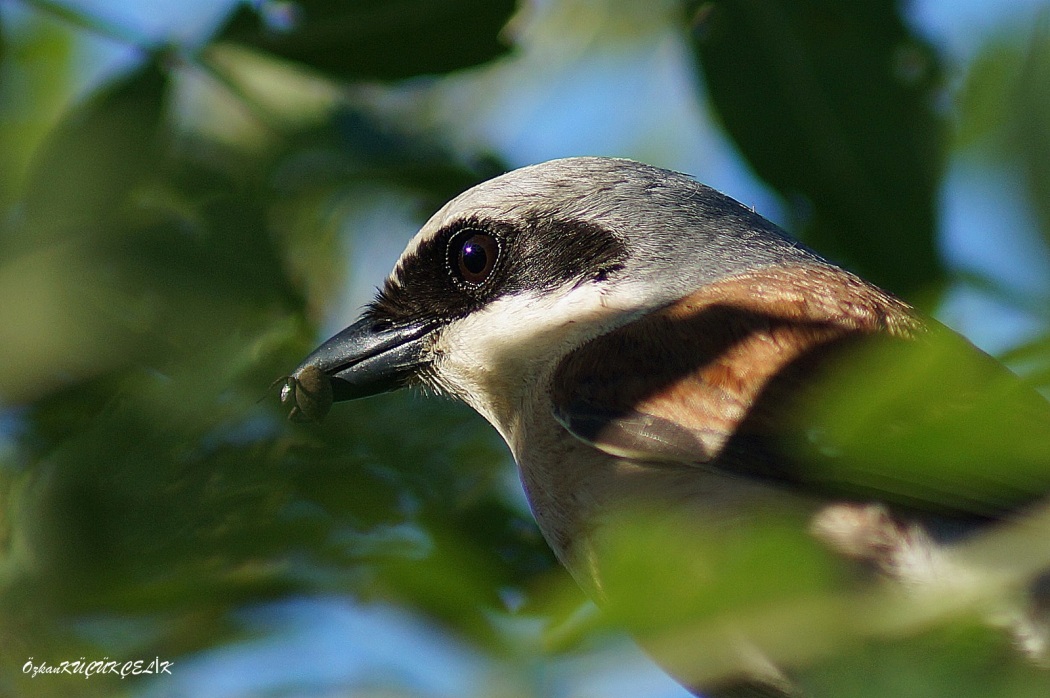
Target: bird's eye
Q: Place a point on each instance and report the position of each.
(473, 255)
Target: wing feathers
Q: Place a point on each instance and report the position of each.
(678, 383)
(639, 435)
(756, 375)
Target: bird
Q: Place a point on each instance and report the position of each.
(645, 344)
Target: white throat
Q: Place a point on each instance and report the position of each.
(499, 359)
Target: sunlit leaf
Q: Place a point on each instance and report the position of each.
(38, 55)
(662, 569)
(964, 659)
(691, 588)
(932, 424)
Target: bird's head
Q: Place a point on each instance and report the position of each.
(516, 272)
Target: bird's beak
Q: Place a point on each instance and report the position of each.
(367, 358)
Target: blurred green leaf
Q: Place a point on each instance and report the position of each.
(357, 147)
(987, 99)
(1004, 109)
(375, 39)
(942, 427)
(963, 659)
(51, 328)
(1032, 111)
(34, 86)
(690, 590)
(93, 159)
(1005, 104)
(1032, 360)
(835, 103)
(663, 570)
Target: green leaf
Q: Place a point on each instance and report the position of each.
(375, 39)
(1005, 106)
(941, 427)
(664, 570)
(1032, 138)
(97, 154)
(987, 100)
(833, 103)
(35, 76)
(963, 660)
